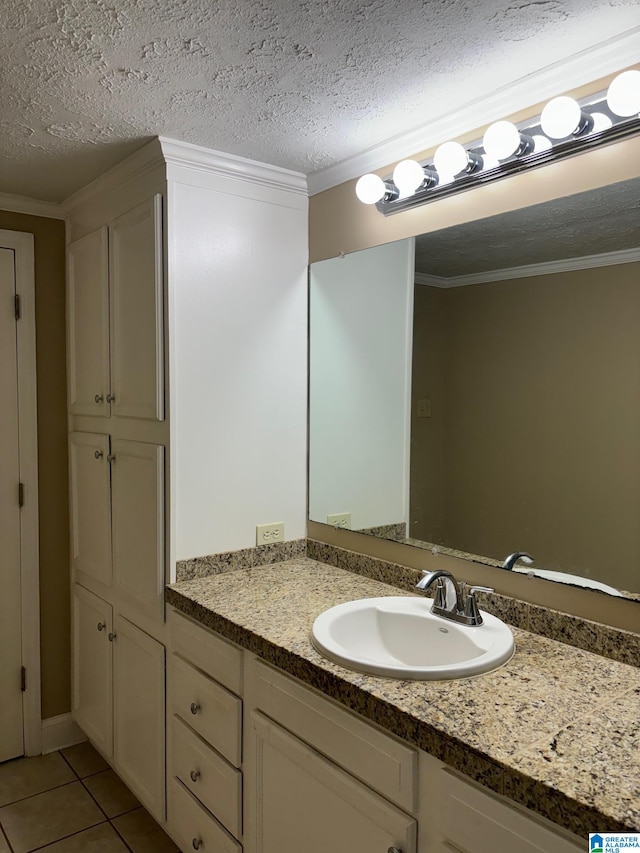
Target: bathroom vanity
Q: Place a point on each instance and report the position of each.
(328, 758)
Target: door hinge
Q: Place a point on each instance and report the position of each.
(18, 306)
(20, 494)
(23, 678)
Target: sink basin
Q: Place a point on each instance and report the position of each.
(399, 637)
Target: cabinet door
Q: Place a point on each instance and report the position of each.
(92, 668)
(90, 487)
(88, 324)
(138, 709)
(137, 484)
(301, 801)
(135, 266)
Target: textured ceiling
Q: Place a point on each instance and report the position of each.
(589, 223)
(302, 84)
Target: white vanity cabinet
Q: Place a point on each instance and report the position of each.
(204, 790)
(118, 694)
(317, 777)
(115, 317)
(261, 763)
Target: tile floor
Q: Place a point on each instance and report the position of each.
(72, 802)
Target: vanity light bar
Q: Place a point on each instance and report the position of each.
(565, 127)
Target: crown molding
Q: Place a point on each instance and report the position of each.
(586, 262)
(30, 206)
(186, 155)
(144, 160)
(605, 58)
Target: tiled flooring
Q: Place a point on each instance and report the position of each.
(72, 802)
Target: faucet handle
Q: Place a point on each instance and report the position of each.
(471, 610)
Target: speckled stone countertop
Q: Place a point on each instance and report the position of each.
(557, 729)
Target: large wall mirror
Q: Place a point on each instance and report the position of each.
(475, 391)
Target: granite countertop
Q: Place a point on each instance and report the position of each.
(556, 729)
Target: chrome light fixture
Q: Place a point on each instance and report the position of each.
(564, 128)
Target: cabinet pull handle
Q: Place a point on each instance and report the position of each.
(394, 850)
(111, 458)
(99, 398)
(102, 626)
(98, 454)
(196, 843)
(112, 637)
(194, 708)
(195, 775)
(111, 398)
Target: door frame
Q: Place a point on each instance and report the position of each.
(23, 245)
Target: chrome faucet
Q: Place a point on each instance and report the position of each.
(512, 559)
(453, 600)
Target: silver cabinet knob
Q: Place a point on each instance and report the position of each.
(112, 637)
(111, 458)
(102, 626)
(196, 843)
(99, 398)
(98, 454)
(394, 850)
(195, 775)
(194, 708)
(111, 398)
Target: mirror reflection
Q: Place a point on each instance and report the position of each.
(476, 390)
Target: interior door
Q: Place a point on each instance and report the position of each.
(11, 721)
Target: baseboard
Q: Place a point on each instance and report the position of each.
(60, 732)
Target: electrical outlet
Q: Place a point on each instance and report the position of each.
(424, 408)
(340, 519)
(267, 534)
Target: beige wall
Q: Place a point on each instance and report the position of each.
(52, 456)
(541, 416)
(427, 462)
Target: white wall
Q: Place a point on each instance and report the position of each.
(361, 328)
(238, 337)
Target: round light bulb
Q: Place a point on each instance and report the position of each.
(450, 159)
(623, 95)
(561, 117)
(370, 189)
(408, 176)
(501, 140)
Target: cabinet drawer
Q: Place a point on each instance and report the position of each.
(479, 822)
(211, 710)
(383, 763)
(217, 784)
(210, 653)
(193, 826)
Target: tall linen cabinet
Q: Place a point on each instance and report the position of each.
(186, 351)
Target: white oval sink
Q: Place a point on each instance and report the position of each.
(399, 637)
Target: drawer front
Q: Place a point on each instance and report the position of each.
(193, 827)
(217, 657)
(475, 821)
(383, 763)
(211, 710)
(208, 776)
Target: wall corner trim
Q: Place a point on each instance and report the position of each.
(186, 155)
(60, 732)
(30, 206)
